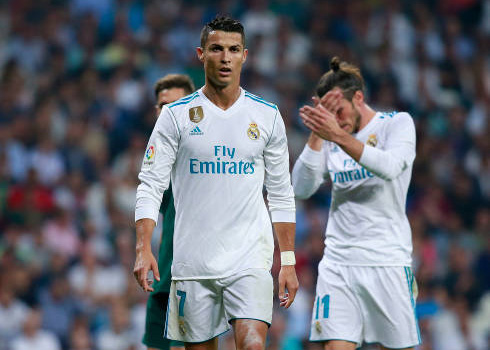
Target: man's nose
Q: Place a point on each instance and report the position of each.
(225, 57)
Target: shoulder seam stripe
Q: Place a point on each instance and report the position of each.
(185, 98)
(175, 121)
(388, 114)
(182, 102)
(189, 96)
(257, 97)
(249, 93)
(262, 101)
(273, 127)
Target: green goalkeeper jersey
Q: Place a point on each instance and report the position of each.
(165, 252)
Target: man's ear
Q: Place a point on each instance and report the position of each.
(200, 53)
(358, 98)
(245, 54)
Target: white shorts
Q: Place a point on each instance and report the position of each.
(375, 304)
(199, 310)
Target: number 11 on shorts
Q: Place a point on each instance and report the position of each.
(181, 294)
(326, 306)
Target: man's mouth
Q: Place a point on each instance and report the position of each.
(225, 71)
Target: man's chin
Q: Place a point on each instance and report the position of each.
(221, 83)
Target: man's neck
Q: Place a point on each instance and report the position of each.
(367, 113)
(224, 98)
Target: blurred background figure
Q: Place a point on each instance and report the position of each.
(77, 105)
(119, 335)
(13, 314)
(33, 337)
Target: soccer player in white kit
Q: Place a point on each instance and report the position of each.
(365, 290)
(220, 146)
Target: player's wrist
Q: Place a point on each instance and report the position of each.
(288, 258)
(315, 142)
(143, 248)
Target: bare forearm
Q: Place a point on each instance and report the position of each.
(352, 146)
(287, 281)
(315, 142)
(144, 231)
(285, 232)
(145, 261)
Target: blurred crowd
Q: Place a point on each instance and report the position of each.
(77, 107)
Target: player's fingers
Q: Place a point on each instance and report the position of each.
(308, 122)
(331, 100)
(316, 101)
(332, 106)
(306, 109)
(143, 279)
(316, 118)
(281, 288)
(156, 273)
(305, 115)
(317, 114)
(324, 98)
(322, 108)
(327, 99)
(136, 274)
(283, 302)
(336, 104)
(320, 115)
(292, 289)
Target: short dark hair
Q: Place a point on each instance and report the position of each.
(171, 81)
(224, 23)
(344, 75)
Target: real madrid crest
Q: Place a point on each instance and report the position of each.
(415, 289)
(253, 132)
(318, 326)
(372, 140)
(196, 114)
(181, 326)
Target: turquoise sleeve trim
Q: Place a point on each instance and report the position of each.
(183, 101)
(257, 99)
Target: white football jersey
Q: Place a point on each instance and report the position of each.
(218, 161)
(367, 224)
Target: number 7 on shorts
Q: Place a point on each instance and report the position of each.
(181, 294)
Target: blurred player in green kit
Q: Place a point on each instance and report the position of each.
(167, 89)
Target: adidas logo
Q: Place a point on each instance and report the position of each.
(196, 131)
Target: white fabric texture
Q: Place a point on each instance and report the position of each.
(218, 161)
(367, 223)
